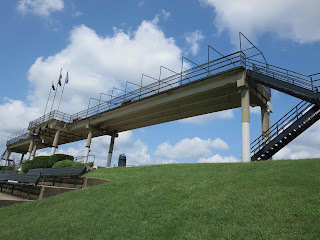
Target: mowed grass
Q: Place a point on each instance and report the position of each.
(263, 200)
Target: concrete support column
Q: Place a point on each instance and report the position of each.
(30, 149)
(21, 160)
(245, 124)
(7, 157)
(110, 151)
(34, 150)
(87, 150)
(265, 123)
(55, 142)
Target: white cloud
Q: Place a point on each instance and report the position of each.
(135, 150)
(193, 39)
(187, 148)
(291, 19)
(255, 110)
(40, 7)
(14, 114)
(218, 159)
(165, 14)
(206, 118)
(96, 64)
(304, 146)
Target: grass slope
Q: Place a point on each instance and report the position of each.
(265, 200)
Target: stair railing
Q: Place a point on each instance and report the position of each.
(285, 75)
(294, 114)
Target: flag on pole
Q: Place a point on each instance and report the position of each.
(67, 79)
(60, 78)
(53, 87)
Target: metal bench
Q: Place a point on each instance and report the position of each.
(59, 172)
(8, 172)
(60, 176)
(20, 178)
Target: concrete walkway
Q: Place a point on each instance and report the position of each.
(5, 196)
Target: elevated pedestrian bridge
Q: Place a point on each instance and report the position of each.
(228, 82)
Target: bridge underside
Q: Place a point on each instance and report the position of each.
(207, 95)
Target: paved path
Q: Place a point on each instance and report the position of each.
(4, 196)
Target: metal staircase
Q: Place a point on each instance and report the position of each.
(297, 120)
(290, 126)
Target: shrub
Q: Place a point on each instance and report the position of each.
(59, 157)
(41, 162)
(26, 166)
(67, 163)
(44, 161)
(63, 163)
(78, 164)
(6, 168)
(90, 164)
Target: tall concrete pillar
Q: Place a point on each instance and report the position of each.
(21, 160)
(7, 157)
(55, 142)
(34, 150)
(30, 149)
(265, 123)
(245, 124)
(110, 151)
(87, 150)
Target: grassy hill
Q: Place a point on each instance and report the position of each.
(263, 200)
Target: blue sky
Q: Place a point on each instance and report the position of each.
(105, 43)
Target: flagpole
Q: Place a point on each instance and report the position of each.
(62, 92)
(55, 93)
(47, 101)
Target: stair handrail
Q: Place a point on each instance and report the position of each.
(283, 74)
(279, 126)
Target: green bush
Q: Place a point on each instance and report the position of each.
(67, 163)
(6, 168)
(41, 162)
(44, 161)
(26, 166)
(90, 164)
(59, 157)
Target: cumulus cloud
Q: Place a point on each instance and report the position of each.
(15, 114)
(40, 7)
(304, 146)
(291, 19)
(97, 64)
(187, 148)
(218, 159)
(206, 118)
(193, 39)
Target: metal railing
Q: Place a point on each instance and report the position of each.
(224, 63)
(64, 117)
(185, 77)
(282, 74)
(18, 136)
(282, 124)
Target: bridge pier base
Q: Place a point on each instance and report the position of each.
(34, 151)
(30, 149)
(265, 123)
(245, 125)
(110, 150)
(55, 142)
(21, 159)
(8, 153)
(87, 150)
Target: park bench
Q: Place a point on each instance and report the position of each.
(8, 171)
(67, 176)
(20, 184)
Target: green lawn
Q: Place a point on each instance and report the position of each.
(262, 200)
